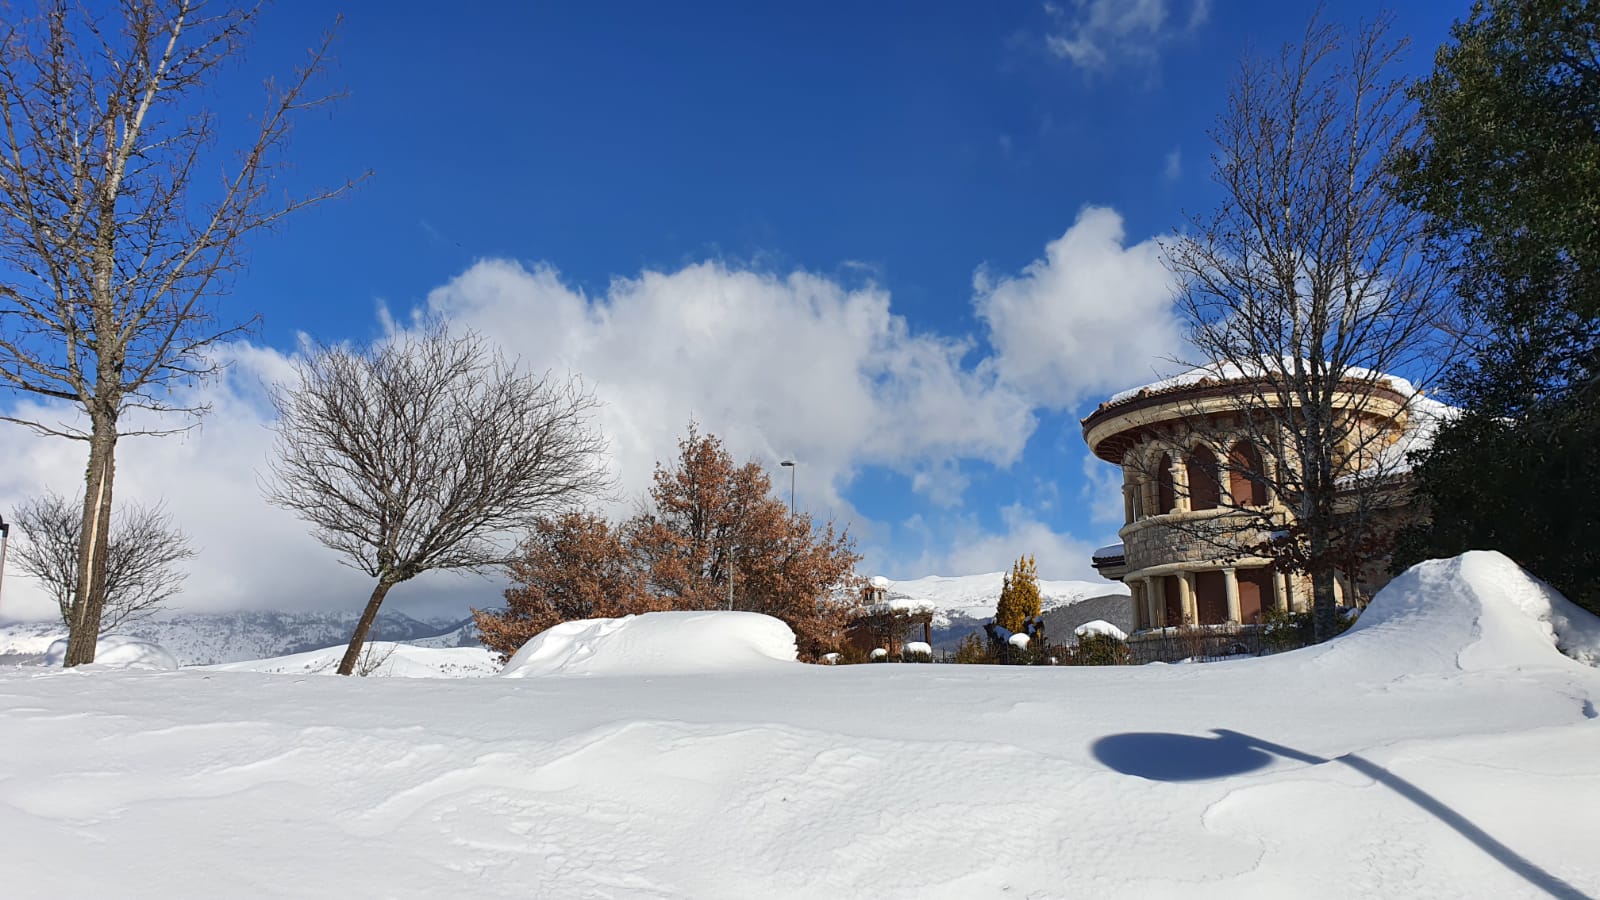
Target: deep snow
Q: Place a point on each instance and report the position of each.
(1441, 748)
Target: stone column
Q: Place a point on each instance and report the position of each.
(1180, 484)
(1191, 614)
(1280, 592)
(1155, 603)
(1127, 504)
(1230, 580)
(1137, 599)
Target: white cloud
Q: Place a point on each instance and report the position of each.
(960, 546)
(1097, 35)
(1092, 314)
(1102, 491)
(779, 366)
(1172, 170)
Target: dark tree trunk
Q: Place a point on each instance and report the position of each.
(352, 654)
(1324, 606)
(89, 604)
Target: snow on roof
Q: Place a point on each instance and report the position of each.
(1110, 551)
(658, 643)
(1100, 626)
(878, 581)
(902, 603)
(1228, 371)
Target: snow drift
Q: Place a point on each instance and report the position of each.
(385, 658)
(115, 651)
(1475, 611)
(659, 643)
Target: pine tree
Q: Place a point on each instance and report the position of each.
(1019, 597)
(1509, 172)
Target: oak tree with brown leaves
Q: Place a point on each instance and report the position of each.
(710, 536)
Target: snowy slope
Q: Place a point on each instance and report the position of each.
(1441, 749)
(385, 658)
(975, 596)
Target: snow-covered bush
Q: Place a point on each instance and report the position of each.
(917, 651)
(878, 654)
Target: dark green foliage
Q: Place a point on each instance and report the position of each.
(1529, 488)
(1281, 630)
(1100, 650)
(975, 649)
(1509, 172)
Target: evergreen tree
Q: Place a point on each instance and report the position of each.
(1019, 597)
(1509, 172)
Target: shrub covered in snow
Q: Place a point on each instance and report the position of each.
(917, 651)
(660, 643)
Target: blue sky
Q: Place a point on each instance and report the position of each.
(904, 243)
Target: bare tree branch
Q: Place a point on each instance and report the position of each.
(143, 565)
(1304, 289)
(114, 244)
(428, 451)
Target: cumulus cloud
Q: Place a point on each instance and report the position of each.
(780, 366)
(1093, 314)
(1097, 35)
(962, 546)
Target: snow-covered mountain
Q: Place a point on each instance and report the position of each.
(975, 596)
(207, 639)
(961, 603)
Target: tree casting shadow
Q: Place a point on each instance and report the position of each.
(1161, 756)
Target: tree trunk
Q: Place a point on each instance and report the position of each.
(1324, 606)
(89, 601)
(352, 654)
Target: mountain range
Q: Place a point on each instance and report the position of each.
(960, 604)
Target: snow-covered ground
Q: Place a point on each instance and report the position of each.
(383, 658)
(1440, 748)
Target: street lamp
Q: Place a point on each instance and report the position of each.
(5, 538)
(789, 464)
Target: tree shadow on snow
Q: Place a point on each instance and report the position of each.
(1161, 756)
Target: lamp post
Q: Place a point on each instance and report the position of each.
(5, 538)
(789, 464)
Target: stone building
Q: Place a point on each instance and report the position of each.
(1192, 510)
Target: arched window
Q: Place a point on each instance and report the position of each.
(1166, 497)
(1205, 492)
(1245, 475)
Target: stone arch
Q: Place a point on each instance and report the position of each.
(1245, 475)
(1205, 491)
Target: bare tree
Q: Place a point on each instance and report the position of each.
(424, 452)
(114, 242)
(1303, 289)
(143, 555)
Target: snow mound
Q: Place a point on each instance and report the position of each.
(115, 651)
(918, 648)
(1100, 626)
(1475, 611)
(659, 643)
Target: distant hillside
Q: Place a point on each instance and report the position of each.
(975, 596)
(963, 603)
(211, 638)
